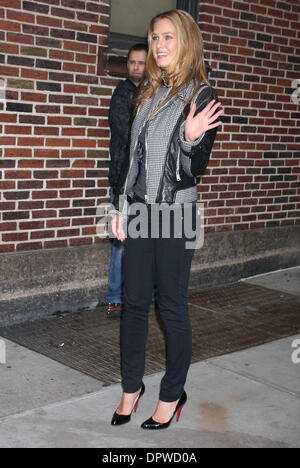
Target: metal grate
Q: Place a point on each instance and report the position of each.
(224, 319)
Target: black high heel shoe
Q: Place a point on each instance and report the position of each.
(151, 424)
(119, 419)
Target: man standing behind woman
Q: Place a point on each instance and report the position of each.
(120, 116)
(171, 140)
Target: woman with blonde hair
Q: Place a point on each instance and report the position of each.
(171, 140)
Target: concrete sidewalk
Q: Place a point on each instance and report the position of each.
(249, 398)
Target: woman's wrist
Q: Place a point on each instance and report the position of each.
(187, 138)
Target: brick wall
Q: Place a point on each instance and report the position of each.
(55, 133)
(253, 177)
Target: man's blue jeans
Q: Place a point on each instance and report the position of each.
(115, 278)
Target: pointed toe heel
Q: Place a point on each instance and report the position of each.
(119, 419)
(154, 425)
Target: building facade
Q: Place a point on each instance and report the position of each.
(56, 81)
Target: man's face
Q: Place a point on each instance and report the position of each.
(136, 65)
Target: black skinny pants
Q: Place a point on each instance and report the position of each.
(169, 261)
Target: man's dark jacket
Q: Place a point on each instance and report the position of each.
(119, 119)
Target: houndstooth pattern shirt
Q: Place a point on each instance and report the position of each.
(160, 129)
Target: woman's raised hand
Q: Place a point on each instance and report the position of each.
(205, 120)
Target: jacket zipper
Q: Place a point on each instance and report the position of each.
(178, 158)
(178, 162)
(146, 164)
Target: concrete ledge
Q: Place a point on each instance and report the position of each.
(40, 283)
(229, 256)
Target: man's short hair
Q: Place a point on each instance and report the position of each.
(137, 47)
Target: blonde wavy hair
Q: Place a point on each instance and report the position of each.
(188, 66)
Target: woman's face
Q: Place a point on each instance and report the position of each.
(164, 42)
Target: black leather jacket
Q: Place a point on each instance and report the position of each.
(199, 155)
(174, 178)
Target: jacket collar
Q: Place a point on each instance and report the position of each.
(128, 80)
(184, 91)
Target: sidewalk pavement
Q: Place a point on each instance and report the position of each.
(249, 398)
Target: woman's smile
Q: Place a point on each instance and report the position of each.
(164, 43)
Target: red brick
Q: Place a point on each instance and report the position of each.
(58, 142)
(83, 163)
(81, 241)
(28, 225)
(7, 141)
(8, 118)
(46, 131)
(83, 221)
(79, 46)
(34, 97)
(73, 153)
(58, 184)
(56, 223)
(31, 141)
(44, 194)
(75, 25)
(31, 205)
(42, 235)
(73, 131)
(8, 226)
(17, 129)
(7, 248)
(72, 174)
(84, 143)
(75, 67)
(59, 120)
(20, 38)
(55, 244)
(29, 246)
(20, 16)
(46, 153)
(57, 203)
(70, 193)
(12, 4)
(18, 174)
(7, 206)
(70, 88)
(15, 237)
(9, 48)
(10, 26)
(68, 232)
(8, 185)
(48, 21)
(91, 230)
